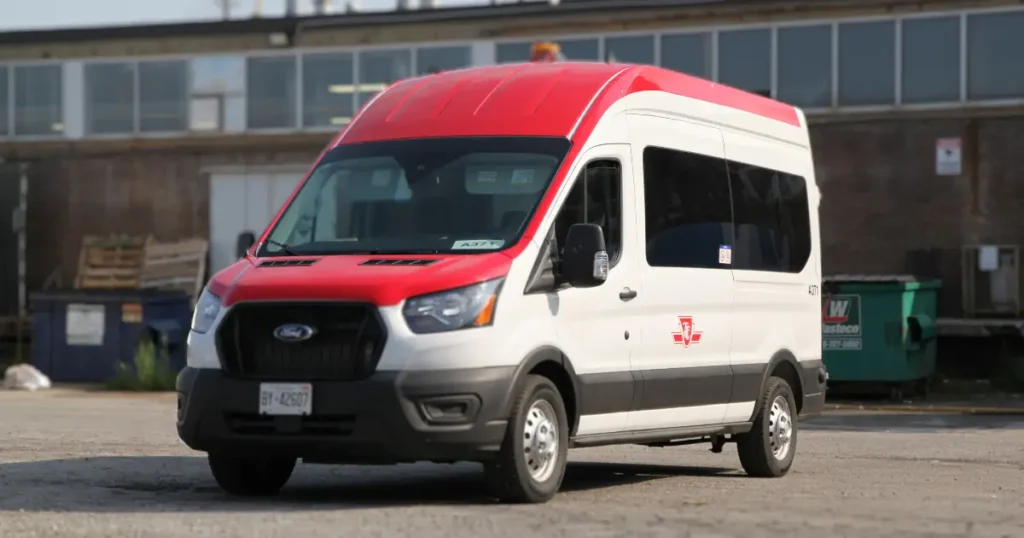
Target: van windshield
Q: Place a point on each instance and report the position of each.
(435, 195)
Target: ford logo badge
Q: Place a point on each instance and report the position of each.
(294, 332)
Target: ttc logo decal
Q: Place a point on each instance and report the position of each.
(686, 334)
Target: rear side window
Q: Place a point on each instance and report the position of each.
(772, 222)
(688, 211)
(696, 204)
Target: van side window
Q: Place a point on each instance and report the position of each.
(595, 198)
(688, 209)
(773, 224)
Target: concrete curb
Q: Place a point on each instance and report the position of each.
(926, 409)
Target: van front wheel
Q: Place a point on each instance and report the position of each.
(531, 463)
(767, 450)
(250, 476)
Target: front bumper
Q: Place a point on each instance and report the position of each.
(390, 417)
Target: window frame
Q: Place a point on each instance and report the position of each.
(727, 167)
(613, 260)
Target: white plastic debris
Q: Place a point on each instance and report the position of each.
(25, 377)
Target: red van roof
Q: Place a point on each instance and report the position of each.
(533, 99)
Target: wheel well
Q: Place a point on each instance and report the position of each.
(557, 374)
(785, 370)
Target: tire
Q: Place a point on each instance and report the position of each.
(757, 448)
(510, 477)
(254, 476)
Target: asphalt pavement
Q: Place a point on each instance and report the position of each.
(94, 465)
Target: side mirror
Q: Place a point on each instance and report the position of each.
(245, 242)
(585, 258)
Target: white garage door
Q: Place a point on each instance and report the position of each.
(244, 202)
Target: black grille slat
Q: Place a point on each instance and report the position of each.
(288, 263)
(394, 262)
(346, 346)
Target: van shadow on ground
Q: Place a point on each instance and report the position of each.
(183, 484)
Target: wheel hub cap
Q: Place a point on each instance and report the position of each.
(780, 429)
(540, 441)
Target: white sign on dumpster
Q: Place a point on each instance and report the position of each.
(85, 324)
(948, 157)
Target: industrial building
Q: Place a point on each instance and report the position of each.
(203, 129)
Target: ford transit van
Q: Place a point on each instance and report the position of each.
(502, 263)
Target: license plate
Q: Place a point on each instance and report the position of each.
(286, 398)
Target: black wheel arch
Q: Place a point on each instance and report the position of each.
(783, 364)
(550, 362)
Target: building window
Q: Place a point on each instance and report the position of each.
(328, 89)
(270, 92)
(510, 53)
(379, 68)
(110, 98)
(994, 66)
(745, 60)
(689, 216)
(630, 49)
(867, 63)
(930, 68)
(771, 219)
(687, 53)
(436, 59)
(5, 101)
(805, 66)
(572, 49)
(38, 100)
(163, 96)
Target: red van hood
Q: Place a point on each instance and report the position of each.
(343, 277)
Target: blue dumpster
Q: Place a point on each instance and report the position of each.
(82, 335)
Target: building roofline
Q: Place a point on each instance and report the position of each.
(349, 20)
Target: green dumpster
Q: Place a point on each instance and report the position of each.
(880, 330)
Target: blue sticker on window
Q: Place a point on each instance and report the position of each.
(725, 254)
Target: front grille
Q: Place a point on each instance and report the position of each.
(347, 343)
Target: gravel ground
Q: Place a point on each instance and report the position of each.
(75, 465)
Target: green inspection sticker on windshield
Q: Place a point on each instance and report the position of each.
(478, 244)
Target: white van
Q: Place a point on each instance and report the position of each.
(501, 263)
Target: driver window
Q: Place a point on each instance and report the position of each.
(595, 198)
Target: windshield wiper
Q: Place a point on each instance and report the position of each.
(287, 249)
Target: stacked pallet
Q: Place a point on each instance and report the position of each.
(134, 262)
(179, 266)
(113, 262)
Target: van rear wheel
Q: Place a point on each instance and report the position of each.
(531, 463)
(250, 476)
(768, 449)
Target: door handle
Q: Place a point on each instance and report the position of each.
(626, 294)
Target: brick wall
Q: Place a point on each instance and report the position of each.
(885, 210)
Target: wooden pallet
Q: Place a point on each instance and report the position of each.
(112, 262)
(175, 266)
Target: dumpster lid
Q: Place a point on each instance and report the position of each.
(870, 278)
(107, 295)
(875, 282)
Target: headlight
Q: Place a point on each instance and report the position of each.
(207, 308)
(472, 306)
